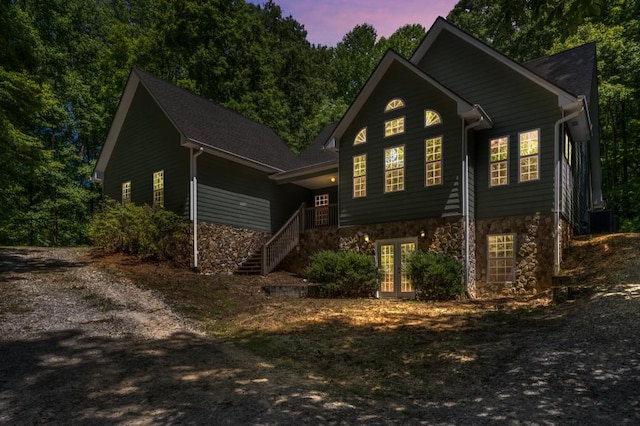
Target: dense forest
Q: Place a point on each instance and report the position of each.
(64, 63)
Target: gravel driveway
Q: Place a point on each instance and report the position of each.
(79, 345)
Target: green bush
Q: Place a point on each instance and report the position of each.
(343, 274)
(435, 276)
(138, 230)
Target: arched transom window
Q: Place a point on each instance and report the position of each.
(361, 137)
(394, 103)
(431, 118)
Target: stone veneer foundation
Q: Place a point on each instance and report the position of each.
(222, 248)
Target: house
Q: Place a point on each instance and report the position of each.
(459, 149)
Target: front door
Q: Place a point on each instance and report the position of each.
(392, 258)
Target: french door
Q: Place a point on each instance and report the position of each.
(392, 259)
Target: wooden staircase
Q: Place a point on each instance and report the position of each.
(276, 249)
(251, 266)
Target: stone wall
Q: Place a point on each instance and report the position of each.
(222, 248)
(441, 234)
(534, 244)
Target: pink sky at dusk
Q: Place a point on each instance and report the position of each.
(327, 21)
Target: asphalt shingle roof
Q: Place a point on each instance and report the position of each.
(315, 152)
(210, 124)
(571, 70)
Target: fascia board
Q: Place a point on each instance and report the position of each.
(442, 24)
(390, 57)
(208, 149)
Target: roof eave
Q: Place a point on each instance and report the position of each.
(227, 155)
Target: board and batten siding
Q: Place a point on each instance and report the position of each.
(416, 201)
(148, 143)
(515, 104)
(237, 195)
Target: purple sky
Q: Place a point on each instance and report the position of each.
(327, 21)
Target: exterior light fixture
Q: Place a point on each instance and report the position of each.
(333, 178)
(422, 233)
(366, 238)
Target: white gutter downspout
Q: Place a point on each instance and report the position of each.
(193, 205)
(557, 187)
(465, 197)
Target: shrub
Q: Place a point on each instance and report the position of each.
(343, 274)
(138, 230)
(435, 276)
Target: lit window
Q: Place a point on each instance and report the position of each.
(568, 150)
(126, 192)
(394, 127)
(502, 258)
(322, 209)
(498, 157)
(529, 159)
(158, 189)
(361, 137)
(360, 176)
(394, 169)
(394, 104)
(431, 118)
(433, 160)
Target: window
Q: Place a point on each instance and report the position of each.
(126, 192)
(360, 176)
(394, 127)
(431, 118)
(322, 209)
(529, 158)
(502, 258)
(499, 153)
(394, 104)
(568, 150)
(361, 137)
(433, 160)
(158, 189)
(394, 169)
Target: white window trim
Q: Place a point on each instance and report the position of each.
(441, 161)
(492, 162)
(403, 168)
(520, 157)
(514, 258)
(353, 176)
(404, 126)
(434, 124)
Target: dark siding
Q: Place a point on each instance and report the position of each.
(147, 143)
(415, 201)
(515, 104)
(237, 195)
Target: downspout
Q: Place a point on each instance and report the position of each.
(465, 198)
(557, 187)
(193, 205)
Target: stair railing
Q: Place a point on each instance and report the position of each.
(285, 240)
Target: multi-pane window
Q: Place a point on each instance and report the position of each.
(433, 161)
(394, 104)
(529, 155)
(502, 259)
(360, 176)
(394, 169)
(126, 192)
(322, 209)
(158, 189)
(431, 118)
(498, 158)
(361, 137)
(394, 127)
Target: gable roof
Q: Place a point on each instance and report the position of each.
(202, 123)
(565, 98)
(570, 69)
(464, 108)
(315, 152)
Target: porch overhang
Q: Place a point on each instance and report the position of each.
(315, 176)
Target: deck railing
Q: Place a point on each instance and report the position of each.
(316, 217)
(285, 240)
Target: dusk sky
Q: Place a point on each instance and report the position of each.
(327, 21)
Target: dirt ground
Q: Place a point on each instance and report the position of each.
(82, 343)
